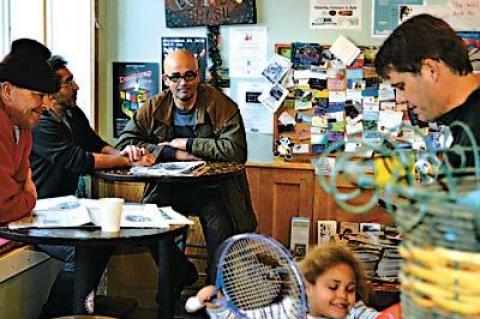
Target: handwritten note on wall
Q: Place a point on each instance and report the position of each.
(467, 11)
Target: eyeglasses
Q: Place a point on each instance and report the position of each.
(70, 82)
(188, 76)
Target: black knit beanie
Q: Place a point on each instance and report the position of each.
(26, 67)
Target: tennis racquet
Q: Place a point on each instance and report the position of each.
(256, 278)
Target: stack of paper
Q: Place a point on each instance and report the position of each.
(378, 251)
(69, 211)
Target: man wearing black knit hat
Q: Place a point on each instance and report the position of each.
(26, 79)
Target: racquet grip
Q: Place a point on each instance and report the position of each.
(193, 304)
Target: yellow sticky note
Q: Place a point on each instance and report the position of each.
(321, 94)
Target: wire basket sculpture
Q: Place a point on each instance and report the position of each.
(440, 220)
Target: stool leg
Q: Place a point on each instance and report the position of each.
(165, 284)
(89, 266)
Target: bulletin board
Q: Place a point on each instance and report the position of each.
(331, 103)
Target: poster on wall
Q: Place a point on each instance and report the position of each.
(256, 117)
(248, 51)
(385, 15)
(196, 45)
(190, 13)
(133, 84)
(459, 17)
(336, 14)
(468, 12)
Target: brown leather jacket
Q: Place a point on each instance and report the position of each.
(220, 139)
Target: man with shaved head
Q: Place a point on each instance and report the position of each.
(191, 121)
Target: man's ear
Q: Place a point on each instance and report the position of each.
(165, 79)
(431, 69)
(6, 91)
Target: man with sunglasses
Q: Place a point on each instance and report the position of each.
(192, 121)
(26, 79)
(65, 147)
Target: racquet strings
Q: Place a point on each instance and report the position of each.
(257, 275)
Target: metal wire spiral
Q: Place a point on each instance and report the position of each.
(357, 170)
(440, 220)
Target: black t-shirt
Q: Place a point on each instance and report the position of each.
(469, 114)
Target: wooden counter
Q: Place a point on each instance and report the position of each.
(283, 190)
(280, 190)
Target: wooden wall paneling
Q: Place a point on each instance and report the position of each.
(375, 215)
(283, 194)
(323, 208)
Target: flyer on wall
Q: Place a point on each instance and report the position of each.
(385, 15)
(256, 117)
(336, 14)
(458, 17)
(472, 41)
(133, 84)
(248, 51)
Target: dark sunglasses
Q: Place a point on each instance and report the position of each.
(188, 76)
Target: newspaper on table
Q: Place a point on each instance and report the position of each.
(56, 212)
(168, 169)
(70, 211)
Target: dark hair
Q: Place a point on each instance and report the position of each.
(57, 62)
(323, 257)
(418, 38)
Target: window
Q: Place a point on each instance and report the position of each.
(65, 26)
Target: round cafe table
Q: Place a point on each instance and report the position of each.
(89, 241)
(211, 172)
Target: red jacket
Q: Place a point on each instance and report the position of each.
(14, 166)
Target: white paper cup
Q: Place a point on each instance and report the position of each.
(110, 214)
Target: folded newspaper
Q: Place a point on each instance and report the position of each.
(70, 211)
(168, 169)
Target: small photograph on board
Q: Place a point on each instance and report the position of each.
(305, 55)
(284, 49)
(273, 97)
(303, 99)
(276, 68)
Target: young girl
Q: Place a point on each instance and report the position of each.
(334, 284)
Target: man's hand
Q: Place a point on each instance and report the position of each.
(146, 160)
(29, 185)
(178, 143)
(185, 156)
(133, 153)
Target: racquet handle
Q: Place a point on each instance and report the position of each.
(193, 304)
